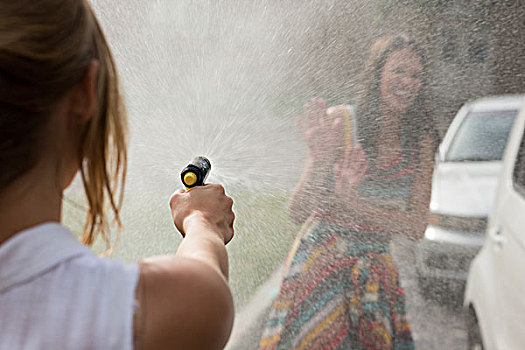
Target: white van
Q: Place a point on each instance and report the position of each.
(495, 291)
(466, 171)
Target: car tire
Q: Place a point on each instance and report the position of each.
(474, 339)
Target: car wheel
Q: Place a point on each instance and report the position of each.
(473, 331)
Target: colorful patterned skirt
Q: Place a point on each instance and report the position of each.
(340, 291)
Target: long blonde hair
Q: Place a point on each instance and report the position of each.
(45, 49)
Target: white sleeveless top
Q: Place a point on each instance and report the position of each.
(55, 293)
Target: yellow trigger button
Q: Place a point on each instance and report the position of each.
(190, 179)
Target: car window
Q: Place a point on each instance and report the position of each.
(519, 169)
(482, 136)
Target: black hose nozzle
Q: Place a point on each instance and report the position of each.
(195, 173)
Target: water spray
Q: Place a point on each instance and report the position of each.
(195, 173)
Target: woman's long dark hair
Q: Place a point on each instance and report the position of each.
(415, 122)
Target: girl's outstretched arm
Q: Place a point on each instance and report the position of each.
(184, 299)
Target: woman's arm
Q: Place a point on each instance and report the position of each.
(411, 222)
(185, 301)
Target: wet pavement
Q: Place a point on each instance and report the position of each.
(435, 324)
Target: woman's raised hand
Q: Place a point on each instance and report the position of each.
(322, 131)
(349, 171)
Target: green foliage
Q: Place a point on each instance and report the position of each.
(263, 236)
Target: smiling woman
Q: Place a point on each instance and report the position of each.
(401, 80)
(341, 288)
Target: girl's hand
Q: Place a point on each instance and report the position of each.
(349, 172)
(203, 205)
(323, 132)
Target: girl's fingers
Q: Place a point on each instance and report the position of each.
(336, 131)
(322, 112)
(322, 105)
(316, 110)
(310, 118)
